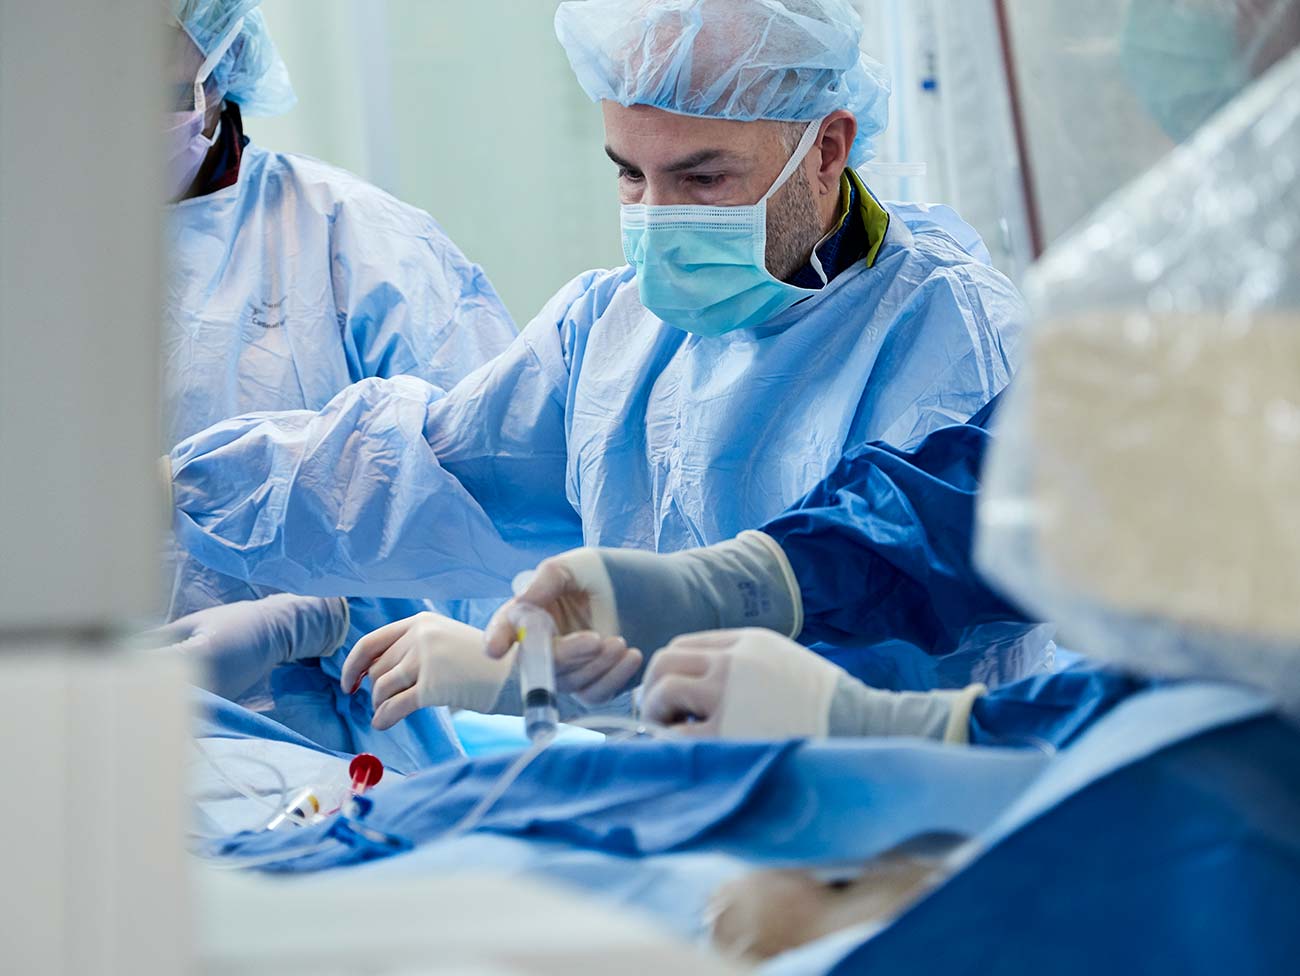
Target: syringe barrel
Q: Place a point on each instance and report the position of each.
(536, 633)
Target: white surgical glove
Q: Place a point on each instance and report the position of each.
(589, 668)
(592, 668)
(423, 661)
(754, 684)
(649, 598)
(239, 643)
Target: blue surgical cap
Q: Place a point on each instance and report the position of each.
(786, 60)
(251, 72)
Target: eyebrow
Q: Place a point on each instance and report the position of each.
(690, 162)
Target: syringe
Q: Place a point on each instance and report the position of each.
(535, 632)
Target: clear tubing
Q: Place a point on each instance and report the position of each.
(243, 789)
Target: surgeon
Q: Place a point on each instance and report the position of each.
(877, 556)
(774, 315)
(883, 547)
(289, 282)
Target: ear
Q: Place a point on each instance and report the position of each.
(834, 141)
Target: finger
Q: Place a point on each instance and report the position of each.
(196, 645)
(578, 652)
(368, 650)
(599, 655)
(677, 698)
(405, 647)
(615, 680)
(551, 581)
(694, 730)
(394, 680)
(674, 660)
(396, 708)
(177, 632)
(500, 634)
(706, 640)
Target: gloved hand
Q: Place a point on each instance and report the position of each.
(754, 684)
(428, 660)
(592, 668)
(650, 598)
(423, 661)
(239, 643)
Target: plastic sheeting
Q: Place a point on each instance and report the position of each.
(1143, 492)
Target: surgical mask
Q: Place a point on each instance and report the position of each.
(1184, 60)
(186, 145)
(704, 269)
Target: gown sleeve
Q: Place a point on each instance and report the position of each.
(882, 547)
(395, 488)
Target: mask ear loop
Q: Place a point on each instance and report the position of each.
(796, 159)
(210, 64)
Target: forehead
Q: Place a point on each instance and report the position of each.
(651, 137)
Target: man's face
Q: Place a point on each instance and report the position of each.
(665, 159)
(669, 160)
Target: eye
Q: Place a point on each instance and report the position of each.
(706, 179)
(632, 175)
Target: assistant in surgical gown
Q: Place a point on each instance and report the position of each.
(285, 288)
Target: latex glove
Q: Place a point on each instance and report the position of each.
(592, 668)
(423, 661)
(650, 598)
(754, 684)
(239, 643)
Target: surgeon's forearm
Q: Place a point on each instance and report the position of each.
(858, 710)
(882, 547)
(350, 500)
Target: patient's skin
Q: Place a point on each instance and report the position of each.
(770, 912)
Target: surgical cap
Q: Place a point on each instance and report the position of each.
(251, 72)
(786, 60)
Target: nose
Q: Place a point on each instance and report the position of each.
(662, 194)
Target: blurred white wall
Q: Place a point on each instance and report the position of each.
(467, 110)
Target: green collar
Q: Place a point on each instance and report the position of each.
(874, 217)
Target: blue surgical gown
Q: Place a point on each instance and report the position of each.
(284, 291)
(883, 551)
(600, 425)
(1184, 861)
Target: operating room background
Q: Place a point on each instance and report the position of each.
(470, 111)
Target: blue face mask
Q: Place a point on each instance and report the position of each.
(704, 269)
(1184, 60)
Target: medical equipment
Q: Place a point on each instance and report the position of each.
(314, 803)
(349, 828)
(536, 635)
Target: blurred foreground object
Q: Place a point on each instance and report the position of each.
(1144, 491)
